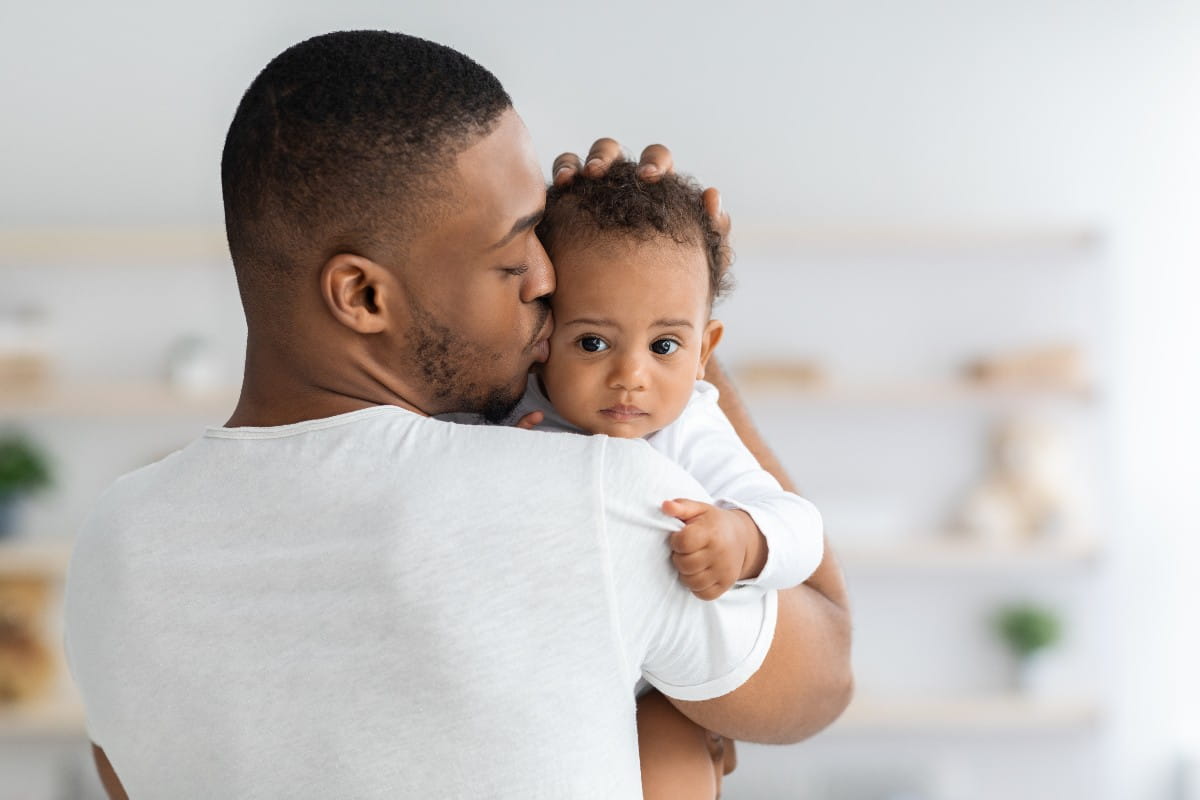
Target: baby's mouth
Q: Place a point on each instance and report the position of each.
(622, 413)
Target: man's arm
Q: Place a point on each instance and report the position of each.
(806, 680)
(108, 776)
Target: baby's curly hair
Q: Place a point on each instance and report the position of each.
(619, 204)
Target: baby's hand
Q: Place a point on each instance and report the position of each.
(716, 548)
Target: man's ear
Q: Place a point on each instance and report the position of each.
(709, 338)
(356, 291)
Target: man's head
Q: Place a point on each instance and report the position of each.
(380, 196)
(639, 265)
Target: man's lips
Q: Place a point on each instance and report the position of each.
(621, 413)
(541, 343)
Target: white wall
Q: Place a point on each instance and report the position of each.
(934, 111)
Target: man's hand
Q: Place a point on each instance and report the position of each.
(530, 420)
(656, 161)
(716, 548)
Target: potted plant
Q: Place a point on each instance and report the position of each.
(1027, 629)
(23, 469)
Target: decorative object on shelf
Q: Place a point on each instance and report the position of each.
(1048, 367)
(23, 469)
(1029, 491)
(1027, 629)
(27, 664)
(193, 365)
(24, 361)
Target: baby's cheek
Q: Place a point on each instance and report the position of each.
(564, 388)
(552, 372)
(679, 392)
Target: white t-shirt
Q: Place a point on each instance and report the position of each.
(704, 443)
(383, 605)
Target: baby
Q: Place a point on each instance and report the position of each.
(639, 267)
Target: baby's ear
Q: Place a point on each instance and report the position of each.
(711, 335)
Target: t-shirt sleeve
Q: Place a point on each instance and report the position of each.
(704, 443)
(688, 648)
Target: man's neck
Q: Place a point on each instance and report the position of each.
(277, 392)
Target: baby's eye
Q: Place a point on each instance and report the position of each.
(593, 344)
(664, 347)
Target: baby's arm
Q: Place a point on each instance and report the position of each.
(789, 528)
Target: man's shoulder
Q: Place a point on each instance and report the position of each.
(636, 472)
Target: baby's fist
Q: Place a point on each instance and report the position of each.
(711, 550)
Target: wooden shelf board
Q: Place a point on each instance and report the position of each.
(874, 237)
(149, 397)
(947, 553)
(35, 555)
(985, 714)
(982, 714)
(158, 243)
(114, 399)
(49, 555)
(124, 246)
(928, 393)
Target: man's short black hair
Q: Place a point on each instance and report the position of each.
(621, 205)
(337, 147)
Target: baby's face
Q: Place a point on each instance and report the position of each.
(631, 335)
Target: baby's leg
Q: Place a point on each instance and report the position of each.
(679, 758)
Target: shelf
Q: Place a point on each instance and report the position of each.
(916, 394)
(46, 556)
(176, 243)
(835, 237)
(115, 400)
(984, 714)
(64, 717)
(123, 246)
(948, 554)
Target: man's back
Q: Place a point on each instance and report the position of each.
(380, 604)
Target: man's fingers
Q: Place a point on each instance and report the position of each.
(722, 224)
(716, 210)
(683, 509)
(565, 168)
(530, 420)
(603, 153)
(655, 162)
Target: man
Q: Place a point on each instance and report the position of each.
(332, 595)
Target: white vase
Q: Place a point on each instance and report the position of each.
(1029, 674)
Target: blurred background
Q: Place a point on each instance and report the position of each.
(966, 318)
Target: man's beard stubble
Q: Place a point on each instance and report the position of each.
(450, 364)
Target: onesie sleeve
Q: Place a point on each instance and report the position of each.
(704, 443)
(688, 648)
